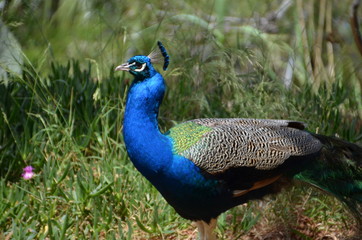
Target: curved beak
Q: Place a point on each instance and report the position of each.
(123, 67)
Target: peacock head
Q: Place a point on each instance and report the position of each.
(141, 66)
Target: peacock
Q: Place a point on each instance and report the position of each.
(203, 167)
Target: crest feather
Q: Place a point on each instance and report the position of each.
(157, 55)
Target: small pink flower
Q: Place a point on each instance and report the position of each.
(28, 172)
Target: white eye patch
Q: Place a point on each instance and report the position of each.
(141, 69)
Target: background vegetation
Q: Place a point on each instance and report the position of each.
(63, 113)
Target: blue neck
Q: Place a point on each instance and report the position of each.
(149, 150)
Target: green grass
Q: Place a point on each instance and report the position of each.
(64, 117)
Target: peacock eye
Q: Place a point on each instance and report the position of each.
(140, 66)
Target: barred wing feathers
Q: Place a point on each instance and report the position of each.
(217, 145)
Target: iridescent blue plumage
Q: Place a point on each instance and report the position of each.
(178, 179)
(204, 167)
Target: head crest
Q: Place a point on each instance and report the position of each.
(155, 56)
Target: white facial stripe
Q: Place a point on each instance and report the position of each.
(141, 69)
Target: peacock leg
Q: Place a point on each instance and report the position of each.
(209, 230)
(201, 229)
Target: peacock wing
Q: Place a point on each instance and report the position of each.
(218, 145)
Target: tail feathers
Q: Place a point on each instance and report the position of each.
(339, 172)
